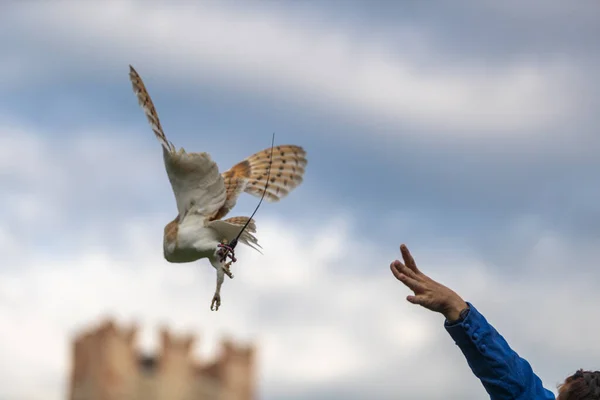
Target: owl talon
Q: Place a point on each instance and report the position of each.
(216, 302)
(225, 252)
(227, 270)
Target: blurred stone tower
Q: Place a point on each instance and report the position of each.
(106, 366)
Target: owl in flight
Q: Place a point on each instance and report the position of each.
(204, 196)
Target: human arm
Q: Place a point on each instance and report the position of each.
(503, 373)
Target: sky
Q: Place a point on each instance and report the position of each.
(468, 131)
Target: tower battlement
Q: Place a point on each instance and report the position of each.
(107, 366)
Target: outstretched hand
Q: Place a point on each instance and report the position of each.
(427, 292)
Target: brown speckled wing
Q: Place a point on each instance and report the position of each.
(146, 103)
(250, 175)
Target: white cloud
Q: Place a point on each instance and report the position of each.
(49, 299)
(292, 57)
(291, 300)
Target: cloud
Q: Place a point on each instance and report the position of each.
(294, 59)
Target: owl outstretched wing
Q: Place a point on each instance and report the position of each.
(250, 176)
(198, 186)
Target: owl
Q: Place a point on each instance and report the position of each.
(204, 196)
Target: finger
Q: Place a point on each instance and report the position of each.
(412, 284)
(409, 261)
(395, 267)
(403, 269)
(418, 299)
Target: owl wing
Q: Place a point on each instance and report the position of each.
(250, 175)
(198, 186)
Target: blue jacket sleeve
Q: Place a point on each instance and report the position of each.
(502, 372)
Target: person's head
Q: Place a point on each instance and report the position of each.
(582, 385)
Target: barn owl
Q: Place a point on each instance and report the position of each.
(204, 196)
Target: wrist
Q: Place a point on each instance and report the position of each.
(453, 312)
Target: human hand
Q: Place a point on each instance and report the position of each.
(427, 292)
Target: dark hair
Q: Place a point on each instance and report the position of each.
(582, 385)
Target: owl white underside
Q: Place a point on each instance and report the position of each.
(194, 242)
(198, 238)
